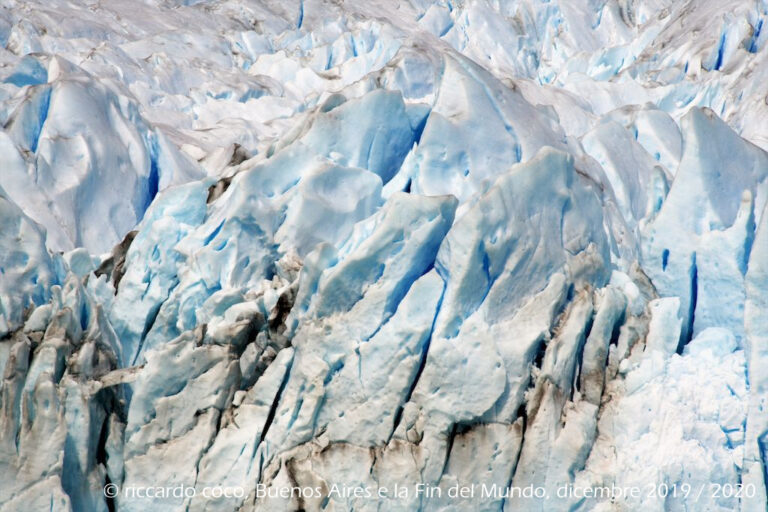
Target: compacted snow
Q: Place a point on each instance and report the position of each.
(383, 255)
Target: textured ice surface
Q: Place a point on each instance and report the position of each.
(360, 246)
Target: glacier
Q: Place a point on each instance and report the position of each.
(383, 255)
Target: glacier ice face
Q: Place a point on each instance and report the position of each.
(83, 142)
(362, 247)
(27, 269)
(674, 415)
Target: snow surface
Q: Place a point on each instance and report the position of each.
(252, 245)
